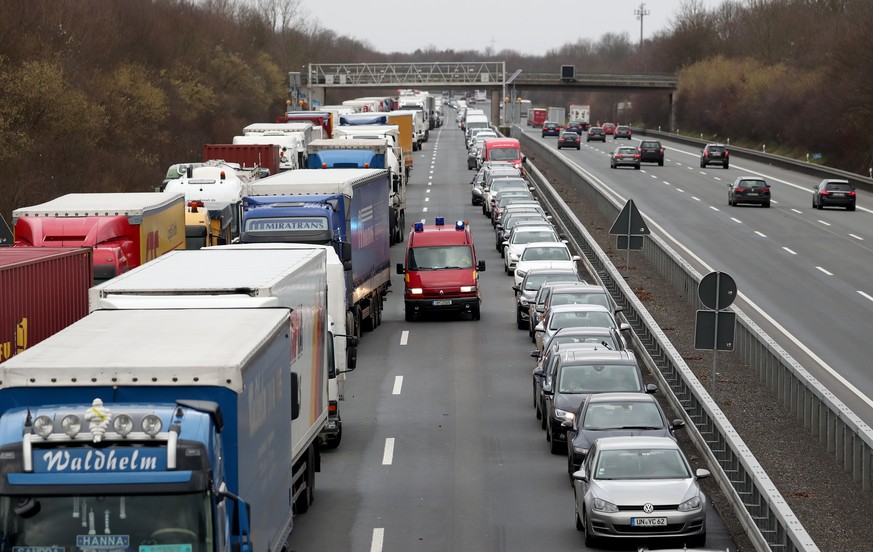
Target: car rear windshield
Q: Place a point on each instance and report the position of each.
(534, 236)
(839, 186)
(569, 135)
(581, 320)
(753, 184)
(650, 144)
(716, 148)
(627, 150)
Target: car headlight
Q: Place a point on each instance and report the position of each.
(513, 256)
(564, 415)
(468, 289)
(690, 505)
(603, 506)
(523, 302)
(580, 451)
(415, 291)
(521, 273)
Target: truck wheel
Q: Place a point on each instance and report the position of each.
(301, 505)
(357, 322)
(334, 442)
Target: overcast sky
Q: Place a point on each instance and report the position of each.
(532, 27)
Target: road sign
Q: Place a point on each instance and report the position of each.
(709, 337)
(717, 290)
(629, 242)
(629, 222)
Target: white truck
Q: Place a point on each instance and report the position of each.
(305, 132)
(233, 278)
(557, 115)
(422, 104)
(581, 113)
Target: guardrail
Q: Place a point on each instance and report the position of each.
(859, 180)
(763, 512)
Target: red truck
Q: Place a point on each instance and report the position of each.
(441, 272)
(124, 229)
(249, 156)
(318, 118)
(537, 116)
(42, 291)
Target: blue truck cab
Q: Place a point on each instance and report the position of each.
(138, 430)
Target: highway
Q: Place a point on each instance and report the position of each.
(441, 450)
(802, 274)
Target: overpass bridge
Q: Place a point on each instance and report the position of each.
(489, 75)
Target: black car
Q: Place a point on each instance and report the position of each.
(833, 192)
(531, 283)
(615, 415)
(622, 131)
(714, 154)
(577, 126)
(551, 129)
(569, 140)
(749, 189)
(578, 375)
(651, 151)
(596, 133)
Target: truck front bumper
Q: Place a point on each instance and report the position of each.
(464, 304)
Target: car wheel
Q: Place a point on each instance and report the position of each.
(554, 445)
(520, 323)
(578, 147)
(850, 208)
(590, 540)
(813, 202)
(579, 525)
(661, 163)
(767, 205)
(725, 166)
(820, 205)
(334, 442)
(636, 167)
(702, 165)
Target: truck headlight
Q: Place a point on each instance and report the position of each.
(415, 291)
(43, 426)
(468, 289)
(71, 425)
(151, 425)
(122, 424)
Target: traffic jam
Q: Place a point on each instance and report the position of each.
(630, 478)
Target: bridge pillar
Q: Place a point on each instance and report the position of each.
(317, 94)
(672, 100)
(496, 102)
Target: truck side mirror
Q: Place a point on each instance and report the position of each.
(295, 395)
(400, 269)
(346, 254)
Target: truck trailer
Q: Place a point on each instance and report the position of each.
(343, 208)
(125, 230)
(211, 277)
(167, 427)
(42, 291)
(367, 153)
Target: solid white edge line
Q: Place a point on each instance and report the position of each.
(789, 250)
(378, 539)
(398, 385)
(870, 297)
(404, 335)
(825, 271)
(388, 455)
(763, 314)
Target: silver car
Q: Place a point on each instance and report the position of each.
(633, 487)
(573, 316)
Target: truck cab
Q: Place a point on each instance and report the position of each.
(441, 271)
(503, 149)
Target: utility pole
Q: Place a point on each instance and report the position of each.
(641, 13)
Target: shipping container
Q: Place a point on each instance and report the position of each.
(263, 156)
(42, 291)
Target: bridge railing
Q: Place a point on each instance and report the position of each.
(766, 517)
(403, 75)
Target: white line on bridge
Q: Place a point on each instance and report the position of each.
(388, 455)
(404, 335)
(790, 251)
(825, 271)
(761, 234)
(398, 384)
(378, 539)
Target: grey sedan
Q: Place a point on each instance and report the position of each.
(639, 487)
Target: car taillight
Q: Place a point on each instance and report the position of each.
(636, 156)
(578, 139)
(741, 190)
(662, 150)
(851, 194)
(618, 155)
(706, 154)
(825, 192)
(726, 153)
(765, 190)
(639, 150)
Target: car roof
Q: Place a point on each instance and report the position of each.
(584, 330)
(536, 228)
(636, 442)
(600, 357)
(538, 271)
(621, 396)
(579, 286)
(546, 245)
(585, 307)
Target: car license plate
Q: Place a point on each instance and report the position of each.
(752, 194)
(442, 302)
(839, 195)
(648, 522)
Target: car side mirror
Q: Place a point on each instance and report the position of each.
(540, 328)
(547, 389)
(535, 354)
(701, 473)
(400, 269)
(618, 309)
(516, 288)
(678, 424)
(576, 257)
(540, 373)
(651, 388)
(582, 475)
(624, 327)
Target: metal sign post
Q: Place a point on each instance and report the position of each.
(630, 227)
(714, 328)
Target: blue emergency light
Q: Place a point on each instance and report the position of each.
(440, 221)
(418, 227)
(459, 225)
